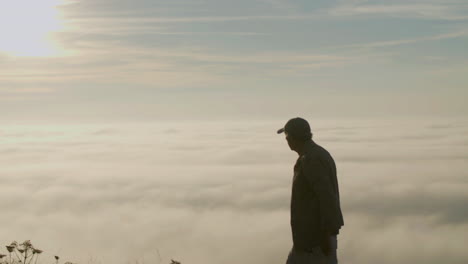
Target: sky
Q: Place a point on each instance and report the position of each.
(146, 130)
(152, 60)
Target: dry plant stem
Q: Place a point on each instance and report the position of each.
(17, 255)
(36, 259)
(159, 256)
(31, 258)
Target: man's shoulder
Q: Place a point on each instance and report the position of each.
(316, 152)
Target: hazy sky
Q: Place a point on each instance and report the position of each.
(129, 127)
(215, 59)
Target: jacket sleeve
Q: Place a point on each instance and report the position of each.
(319, 177)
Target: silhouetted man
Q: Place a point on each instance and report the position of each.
(316, 216)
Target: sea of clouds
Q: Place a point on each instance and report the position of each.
(218, 192)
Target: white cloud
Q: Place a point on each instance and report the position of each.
(198, 191)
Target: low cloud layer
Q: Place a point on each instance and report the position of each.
(219, 192)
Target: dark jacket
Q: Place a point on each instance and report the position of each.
(315, 199)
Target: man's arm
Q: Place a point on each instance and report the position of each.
(319, 178)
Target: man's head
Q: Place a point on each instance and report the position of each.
(297, 132)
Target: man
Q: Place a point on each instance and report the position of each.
(316, 216)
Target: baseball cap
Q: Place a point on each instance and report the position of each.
(298, 128)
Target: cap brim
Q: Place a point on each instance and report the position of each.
(281, 130)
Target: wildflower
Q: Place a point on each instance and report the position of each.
(27, 243)
(21, 250)
(37, 251)
(57, 257)
(2, 256)
(10, 248)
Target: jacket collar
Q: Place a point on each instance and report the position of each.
(309, 145)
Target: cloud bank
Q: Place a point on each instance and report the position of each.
(219, 192)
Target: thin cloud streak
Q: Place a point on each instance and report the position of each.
(450, 35)
(122, 28)
(156, 20)
(155, 65)
(440, 10)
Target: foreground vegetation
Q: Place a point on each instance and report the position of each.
(26, 253)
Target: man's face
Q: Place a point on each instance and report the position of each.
(290, 141)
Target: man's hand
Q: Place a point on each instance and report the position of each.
(325, 245)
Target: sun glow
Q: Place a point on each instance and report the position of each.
(26, 27)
